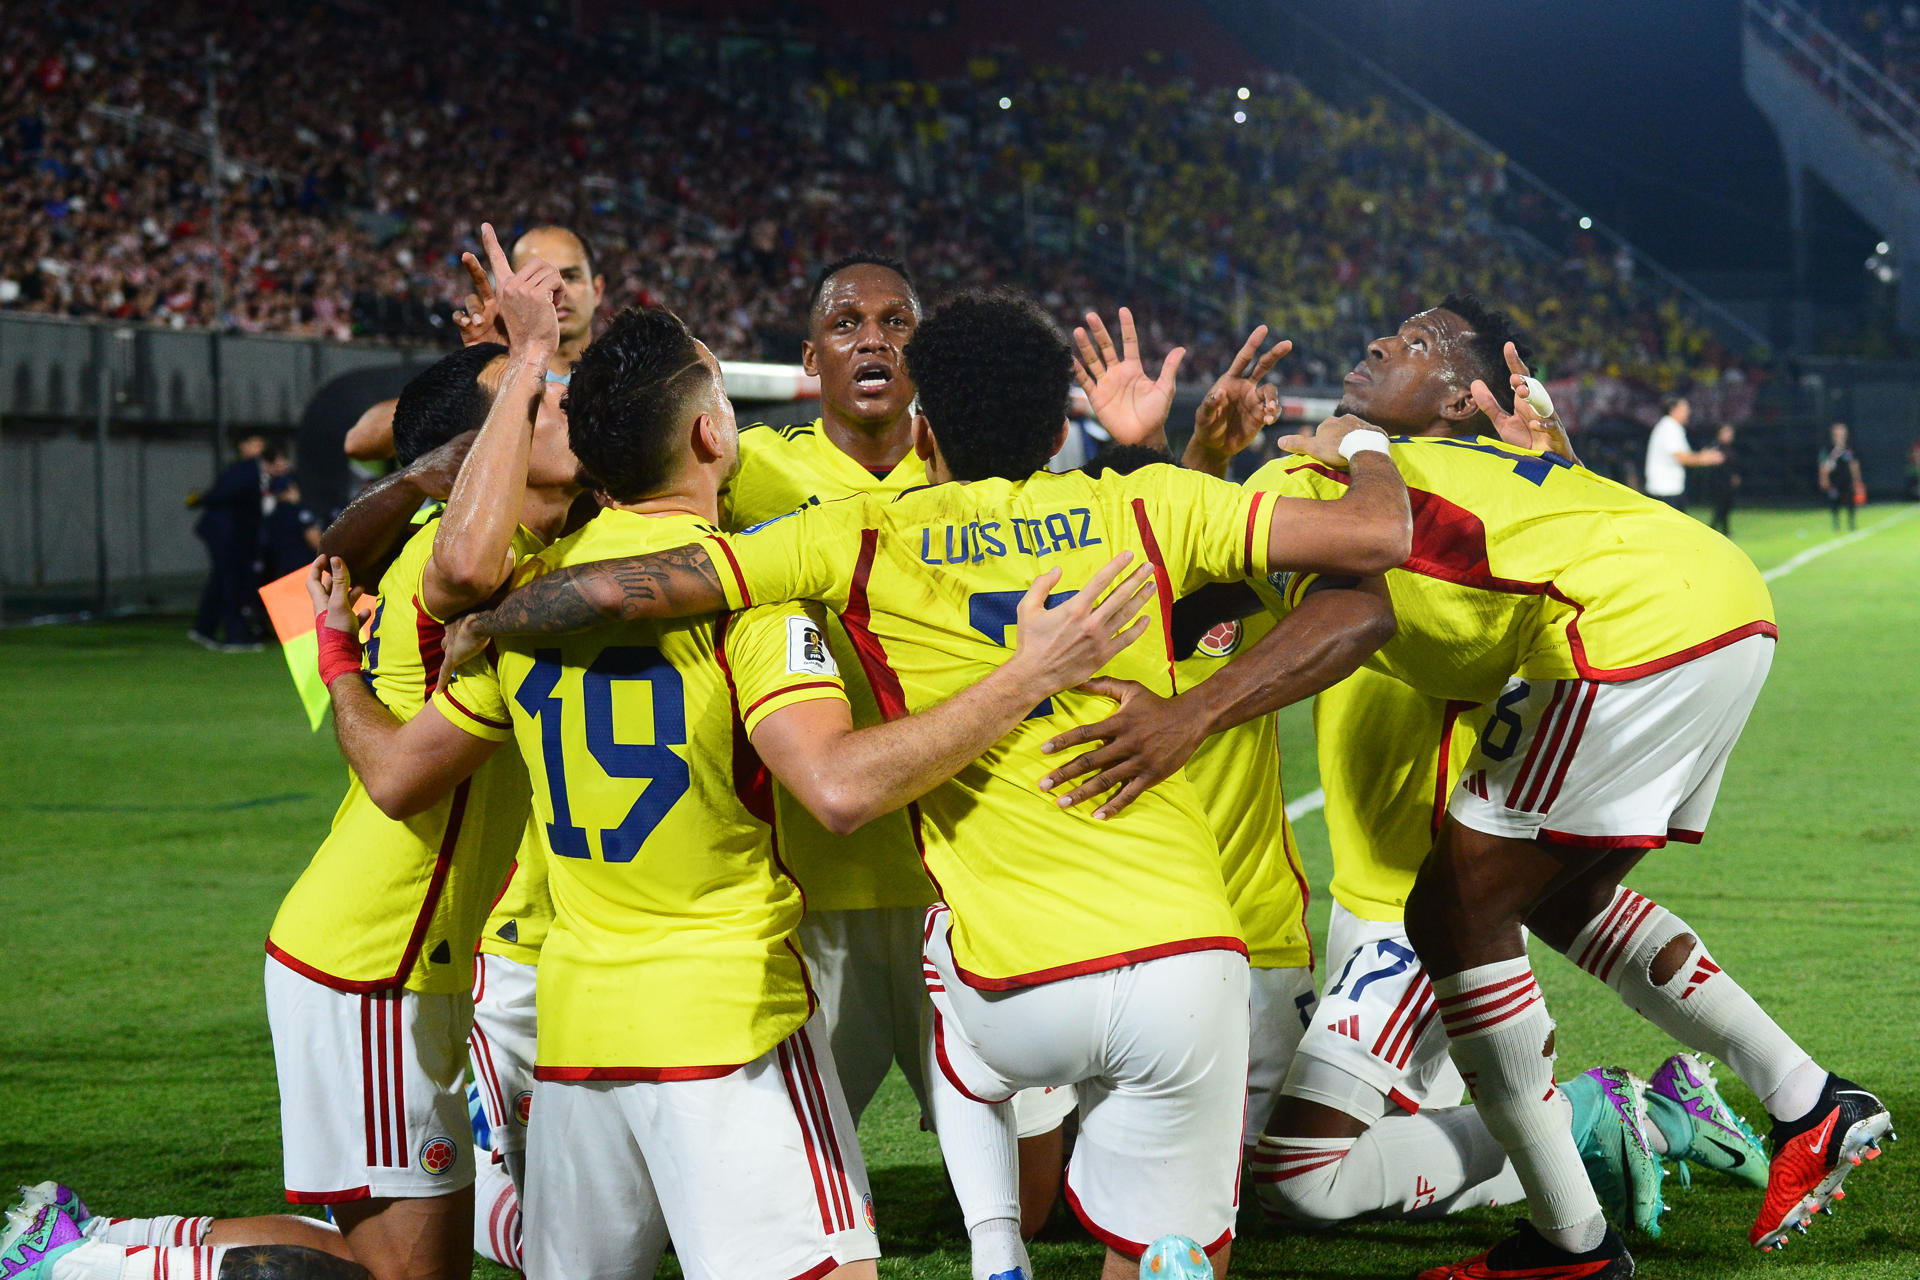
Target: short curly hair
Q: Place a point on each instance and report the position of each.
(1491, 330)
(442, 401)
(993, 371)
(628, 397)
(863, 258)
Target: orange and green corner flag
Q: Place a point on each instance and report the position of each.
(292, 614)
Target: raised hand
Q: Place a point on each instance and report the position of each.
(1237, 407)
(528, 299)
(1322, 444)
(333, 597)
(1524, 426)
(479, 321)
(1130, 405)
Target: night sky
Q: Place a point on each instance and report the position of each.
(1632, 108)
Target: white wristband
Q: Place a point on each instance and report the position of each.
(1363, 442)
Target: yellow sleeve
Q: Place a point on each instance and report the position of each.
(779, 657)
(810, 555)
(473, 701)
(1207, 530)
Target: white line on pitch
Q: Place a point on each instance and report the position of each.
(1312, 802)
(1812, 553)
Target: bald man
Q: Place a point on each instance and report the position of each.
(371, 438)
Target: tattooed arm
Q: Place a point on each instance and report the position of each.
(679, 583)
(286, 1262)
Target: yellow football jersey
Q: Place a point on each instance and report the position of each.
(671, 954)
(928, 587)
(781, 470)
(1389, 756)
(518, 926)
(1237, 773)
(1524, 564)
(387, 903)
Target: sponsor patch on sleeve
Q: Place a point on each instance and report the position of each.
(807, 652)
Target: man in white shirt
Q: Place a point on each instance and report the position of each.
(1670, 453)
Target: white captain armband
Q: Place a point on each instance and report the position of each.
(1363, 442)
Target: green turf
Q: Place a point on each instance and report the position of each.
(159, 799)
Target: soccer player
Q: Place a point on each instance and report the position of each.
(1237, 774)
(1044, 965)
(1389, 757)
(50, 1235)
(668, 894)
(1622, 648)
(370, 972)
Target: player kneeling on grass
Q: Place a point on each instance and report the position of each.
(50, 1235)
(1622, 648)
(716, 1119)
(1067, 949)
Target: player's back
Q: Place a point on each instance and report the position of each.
(668, 900)
(385, 902)
(1523, 563)
(928, 586)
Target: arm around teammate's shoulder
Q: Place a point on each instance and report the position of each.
(1367, 530)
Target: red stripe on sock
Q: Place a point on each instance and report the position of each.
(1622, 899)
(1623, 934)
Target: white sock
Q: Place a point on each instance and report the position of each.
(1499, 1035)
(1432, 1162)
(99, 1260)
(1700, 1006)
(496, 1213)
(981, 1147)
(166, 1229)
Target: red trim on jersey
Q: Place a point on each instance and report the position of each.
(574, 1075)
(473, 715)
(946, 1063)
(1441, 791)
(891, 698)
(1162, 581)
(1403, 1102)
(740, 580)
(1253, 518)
(429, 633)
(1100, 964)
(330, 1197)
(818, 1269)
(1450, 543)
(1685, 837)
(793, 688)
(1600, 842)
(1120, 1244)
(450, 837)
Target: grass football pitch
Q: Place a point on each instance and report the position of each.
(159, 799)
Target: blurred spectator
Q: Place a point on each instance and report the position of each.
(229, 524)
(1913, 472)
(290, 534)
(1085, 435)
(1720, 483)
(1670, 453)
(1840, 478)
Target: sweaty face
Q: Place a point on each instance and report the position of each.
(1409, 379)
(726, 426)
(564, 253)
(859, 329)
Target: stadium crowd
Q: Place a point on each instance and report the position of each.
(362, 151)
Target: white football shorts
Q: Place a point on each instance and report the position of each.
(373, 1098)
(1158, 1053)
(865, 969)
(1629, 765)
(501, 1046)
(754, 1175)
(1375, 1027)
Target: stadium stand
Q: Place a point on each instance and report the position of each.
(713, 174)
